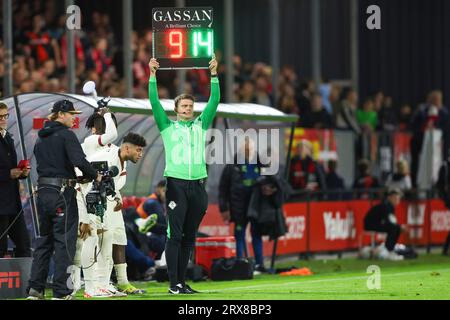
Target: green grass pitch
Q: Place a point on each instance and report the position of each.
(427, 277)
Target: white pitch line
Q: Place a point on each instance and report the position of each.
(306, 282)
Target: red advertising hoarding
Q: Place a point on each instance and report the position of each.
(336, 225)
(339, 225)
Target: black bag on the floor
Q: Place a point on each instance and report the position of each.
(231, 269)
(194, 272)
(161, 274)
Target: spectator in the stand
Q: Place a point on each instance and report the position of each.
(78, 43)
(334, 96)
(317, 117)
(48, 70)
(388, 116)
(20, 74)
(238, 75)
(27, 86)
(262, 95)
(401, 179)
(335, 183)
(98, 59)
(236, 186)
(305, 173)
(304, 96)
(381, 218)
(378, 99)
(325, 91)
(247, 92)
(96, 21)
(346, 115)
(288, 75)
(365, 181)
(163, 93)
(42, 46)
(404, 118)
(199, 80)
(101, 28)
(141, 71)
(287, 102)
(152, 211)
(367, 117)
(431, 115)
(147, 40)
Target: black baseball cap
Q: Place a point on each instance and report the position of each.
(64, 106)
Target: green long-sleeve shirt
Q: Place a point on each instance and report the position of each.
(184, 141)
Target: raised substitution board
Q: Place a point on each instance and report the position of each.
(183, 38)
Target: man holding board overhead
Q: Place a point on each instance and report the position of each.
(186, 197)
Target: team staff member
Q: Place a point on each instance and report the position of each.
(186, 198)
(57, 152)
(236, 186)
(11, 224)
(381, 218)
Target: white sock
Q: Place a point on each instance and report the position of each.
(88, 256)
(76, 276)
(121, 272)
(104, 259)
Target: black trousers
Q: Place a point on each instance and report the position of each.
(18, 233)
(186, 202)
(392, 230)
(58, 221)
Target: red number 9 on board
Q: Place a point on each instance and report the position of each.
(176, 44)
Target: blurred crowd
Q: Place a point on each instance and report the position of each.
(40, 62)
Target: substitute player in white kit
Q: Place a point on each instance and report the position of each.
(103, 127)
(112, 241)
(131, 149)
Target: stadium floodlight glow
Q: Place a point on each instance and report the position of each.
(183, 38)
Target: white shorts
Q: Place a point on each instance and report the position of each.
(95, 222)
(114, 223)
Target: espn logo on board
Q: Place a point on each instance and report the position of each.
(10, 280)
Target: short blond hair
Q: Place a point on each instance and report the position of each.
(181, 97)
(53, 116)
